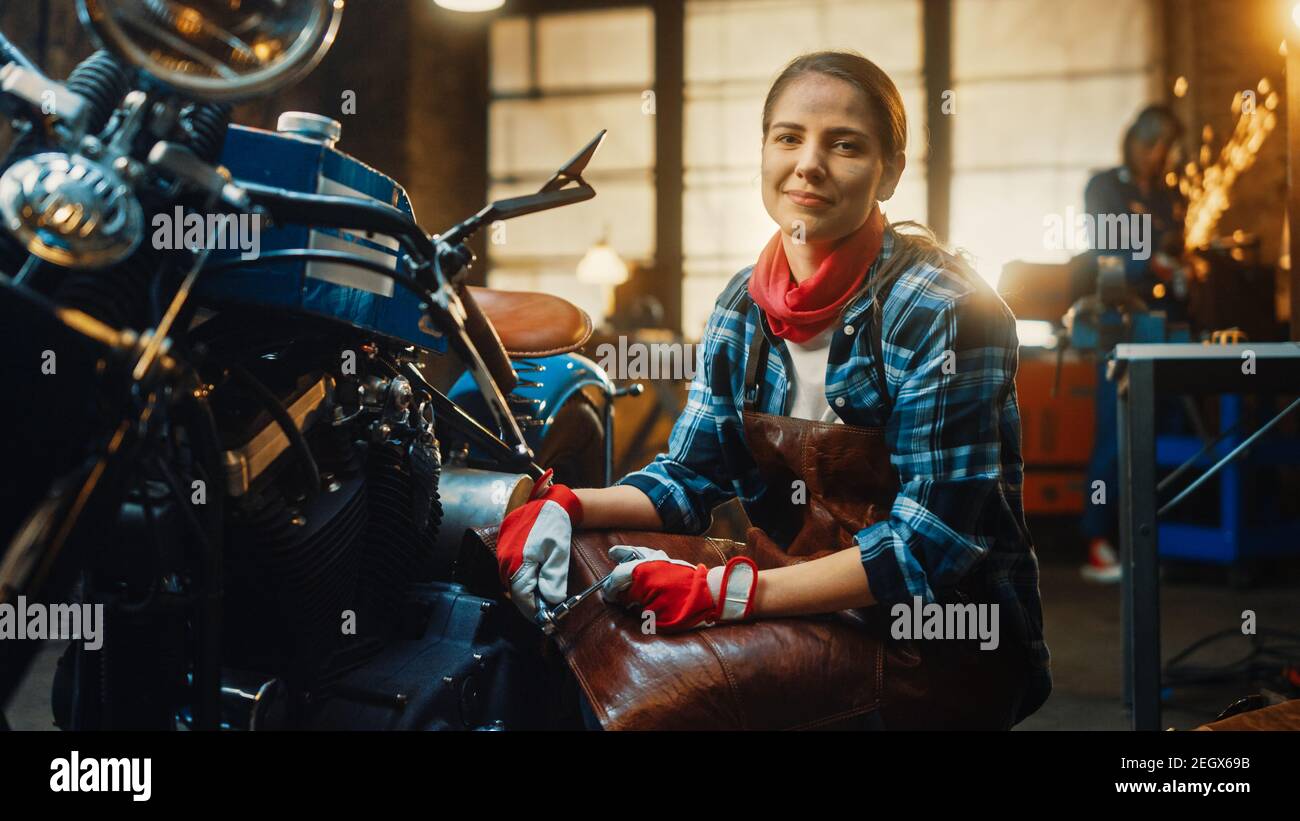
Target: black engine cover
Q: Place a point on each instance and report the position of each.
(462, 663)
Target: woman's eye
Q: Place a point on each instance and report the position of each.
(784, 137)
(848, 146)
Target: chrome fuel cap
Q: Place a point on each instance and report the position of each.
(310, 126)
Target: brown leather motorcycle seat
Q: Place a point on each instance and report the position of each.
(533, 324)
(839, 671)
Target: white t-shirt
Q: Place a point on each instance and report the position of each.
(808, 379)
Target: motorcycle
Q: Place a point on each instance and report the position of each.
(254, 405)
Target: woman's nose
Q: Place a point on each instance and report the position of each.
(811, 165)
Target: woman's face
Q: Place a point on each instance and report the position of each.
(823, 161)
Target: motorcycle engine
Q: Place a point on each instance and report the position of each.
(323, 534)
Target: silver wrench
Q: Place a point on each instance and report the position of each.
(548, 618)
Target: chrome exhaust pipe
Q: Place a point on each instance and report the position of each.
(475, 498)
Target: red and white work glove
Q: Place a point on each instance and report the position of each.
(533, 546)
(680, 594)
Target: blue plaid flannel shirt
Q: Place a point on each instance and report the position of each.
(953, 427)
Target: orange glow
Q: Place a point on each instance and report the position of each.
(188, 21)
(1208, 182)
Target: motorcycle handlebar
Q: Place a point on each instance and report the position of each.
(345, 212)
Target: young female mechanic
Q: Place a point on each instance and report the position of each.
(891, 379)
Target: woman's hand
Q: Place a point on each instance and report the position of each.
(533, 546)
(680, 594)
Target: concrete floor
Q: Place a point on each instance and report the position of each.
(1082, 624)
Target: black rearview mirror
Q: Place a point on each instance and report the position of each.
(554, 193)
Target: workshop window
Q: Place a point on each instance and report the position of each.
(556, 80)
(1038, 113)
(734, 49)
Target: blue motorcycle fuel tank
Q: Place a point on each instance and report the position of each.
(353, 295)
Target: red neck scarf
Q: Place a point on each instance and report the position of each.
(798, 312)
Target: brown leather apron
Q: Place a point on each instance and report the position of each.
(825, 481)
(841, 671)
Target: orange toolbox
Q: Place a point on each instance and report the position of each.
(1056, 432)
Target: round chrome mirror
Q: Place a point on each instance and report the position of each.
(217, 50)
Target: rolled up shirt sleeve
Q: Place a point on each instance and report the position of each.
(950, 370)
(689, 480)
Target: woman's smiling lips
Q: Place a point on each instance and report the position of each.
(806, 199)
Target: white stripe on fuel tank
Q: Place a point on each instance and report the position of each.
(347, 275)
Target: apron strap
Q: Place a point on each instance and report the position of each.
(756, 364)
(878, 298)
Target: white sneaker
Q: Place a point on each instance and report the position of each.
(1103, 565)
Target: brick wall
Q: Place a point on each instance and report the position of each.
(446, 95)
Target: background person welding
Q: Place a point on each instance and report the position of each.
(1139, 186)
(868, 364)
